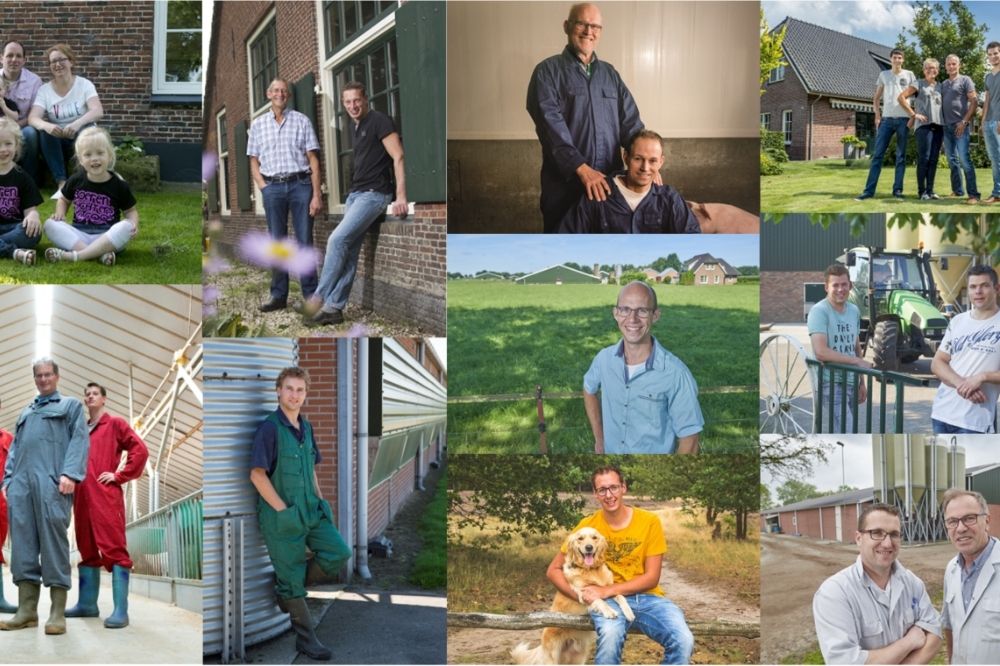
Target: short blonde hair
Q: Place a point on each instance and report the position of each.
(93, 136)
(932, 61)
(8, 125)
(65, 49)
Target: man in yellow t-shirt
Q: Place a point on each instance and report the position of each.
(635, 556)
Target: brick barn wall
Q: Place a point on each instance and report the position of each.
(829, 125)
(113, 42)
(781, 295)
(809, 523)
(386, 500)
(319, 357)
(782, 96)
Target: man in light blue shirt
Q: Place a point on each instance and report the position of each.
(649, 399)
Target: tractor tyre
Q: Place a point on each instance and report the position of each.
(910, 358)
(884, 345)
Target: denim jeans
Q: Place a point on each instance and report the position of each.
(956, 149)
(993, 150)
(344, 245)
(942, 428)
(838, 388)
(29, 152)
(928, 150)
(12, 237)
(886, 129)
(280, 199)
(56, 150)
(655, 616)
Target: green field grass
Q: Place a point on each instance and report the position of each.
(828, 186)
(506, 339)
(167, 249)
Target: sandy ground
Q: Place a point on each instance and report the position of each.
(918, 400)
(791, 570)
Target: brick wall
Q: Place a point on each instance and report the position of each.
(829, 124)
(319, 357)
(781, 295)
(402, 267)
(113, 42)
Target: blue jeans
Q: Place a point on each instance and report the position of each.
(29, 151)
(886, 129)
(928, 150)
(942, 428)
(56, 150)
(655, 616)
(344, 245)
(993, 150)
(280, 199)
(956, 148)
(12, 237)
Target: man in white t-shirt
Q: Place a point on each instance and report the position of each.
(891, 120)
(968, 362)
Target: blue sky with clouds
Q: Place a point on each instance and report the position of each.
(513, 253)
(877, 21)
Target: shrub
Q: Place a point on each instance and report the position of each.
(768, 167)
(773, 144)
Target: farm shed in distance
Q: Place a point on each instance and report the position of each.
(832, 517)
(558, 274)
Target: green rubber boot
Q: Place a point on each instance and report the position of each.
(305, 638)
(27, 608)
(119, 590)
(57, 614)
(90, 586)
(5, 606)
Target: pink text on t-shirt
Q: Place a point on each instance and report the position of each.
(93, 208)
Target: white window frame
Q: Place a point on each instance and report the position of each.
(786, 126)
(223, 152)
(328, 88)
(716, 279)
(258, 200)
(765, 120)
(704, 279)
(160, 84)
(777, 74)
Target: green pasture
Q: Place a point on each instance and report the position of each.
(505, 339)
(828, 186)
(167, 249)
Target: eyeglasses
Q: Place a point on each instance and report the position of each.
(608, 489)
(583, 25)
(968, 520)
(626, 311)
(58, 61)
(880, 535)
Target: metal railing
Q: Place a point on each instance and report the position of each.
(842, 376)
(168, 542)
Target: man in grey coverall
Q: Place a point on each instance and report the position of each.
(47, 458)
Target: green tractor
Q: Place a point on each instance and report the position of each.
(895, 292)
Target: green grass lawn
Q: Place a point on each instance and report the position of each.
(828, 186)
(167, 249)
(506, 338)
(430, 567)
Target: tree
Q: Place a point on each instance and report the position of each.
(633, 276)
(748, 270)
(791, 457)
(765, 497)
(771, 55)
(687, 277)
(941, 29)
(792, 491)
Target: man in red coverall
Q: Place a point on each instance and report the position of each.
(5, 439)
(99, 508)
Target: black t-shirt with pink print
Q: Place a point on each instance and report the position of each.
(97, 204)
(17, 192)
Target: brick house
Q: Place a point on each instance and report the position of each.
(397, 50)
(145, 92)
(825, 91)
(711, 271)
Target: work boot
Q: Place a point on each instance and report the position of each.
(305, 638)
(27, 608)
(5, 607)
(90, 586)
(119, 590)
(57, 614)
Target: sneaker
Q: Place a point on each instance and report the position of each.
(26, 257)
(925, 197)
(972, 201)
(322, 318)
(992, 200)
(108, 258)
(897, 195)
(957, 195)
(862, 197)
(935, 197)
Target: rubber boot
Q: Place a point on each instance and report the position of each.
(57, 614)
(305, 638)
(5, 607)
(119, 590)
(90, 586)
(27, 608)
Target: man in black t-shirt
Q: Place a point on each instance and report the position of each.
(378, 154)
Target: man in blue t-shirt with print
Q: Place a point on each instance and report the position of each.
(834, 326)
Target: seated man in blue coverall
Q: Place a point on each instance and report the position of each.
(637, 204)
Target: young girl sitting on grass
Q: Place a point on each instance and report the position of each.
(20, 227)
(99, 196)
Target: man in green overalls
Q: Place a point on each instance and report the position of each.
(291, 510)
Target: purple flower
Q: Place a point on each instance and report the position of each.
(209, 298)
(358, 331)
(215, 264)
(258, 248)
(209, 163)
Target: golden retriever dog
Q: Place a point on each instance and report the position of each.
(584, 565)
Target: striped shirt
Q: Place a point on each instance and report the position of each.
(281, 148)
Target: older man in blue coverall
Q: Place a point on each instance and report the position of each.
(47, 459)
(584, 114)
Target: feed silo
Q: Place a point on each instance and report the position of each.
(958, 256)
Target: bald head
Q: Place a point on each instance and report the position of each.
(583, 29)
